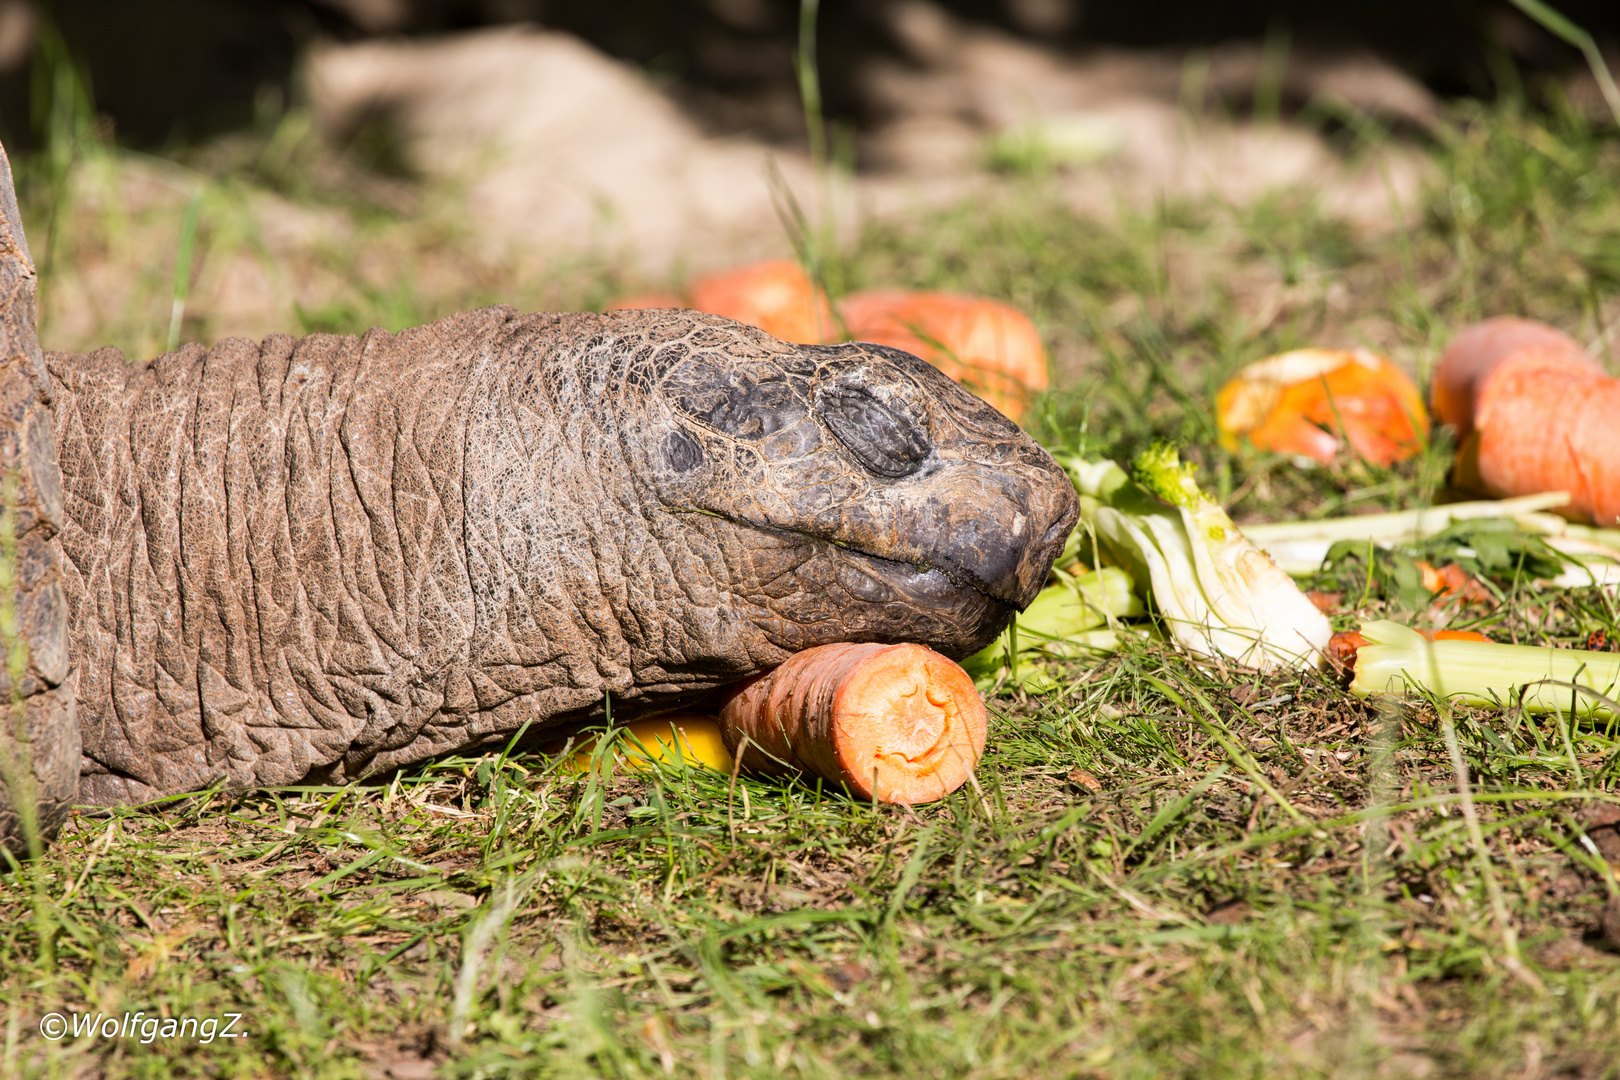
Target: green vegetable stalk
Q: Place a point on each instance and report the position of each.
(1219, 594)
(1591, 556)
(1397, 659)
(1072, 618)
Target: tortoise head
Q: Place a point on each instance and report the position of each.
(857, 493)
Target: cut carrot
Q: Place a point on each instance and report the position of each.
(647, 300)
(989, 347)
(1304, 402)
(1535, 413)
(892, 723)
(1343, 646)
(1474, 354)
(776, 296)
(1453, 580)
(1324, 602)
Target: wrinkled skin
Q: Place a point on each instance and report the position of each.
(319, 559)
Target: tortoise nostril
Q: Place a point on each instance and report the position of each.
(1057, 532)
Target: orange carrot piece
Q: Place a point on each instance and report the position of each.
(647, 300)
(894, 723)
(1474, 354)
(989, 347)
(1453, 580)
(1304, 402)
(1324, 602)
(1537, 414)
(1454, 635)
(776, 296)
(1343, 646)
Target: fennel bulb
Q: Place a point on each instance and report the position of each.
(1219, 594)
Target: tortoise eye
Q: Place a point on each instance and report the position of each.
(885, 440)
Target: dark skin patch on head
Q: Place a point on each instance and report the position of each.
(883, 438)
(734, 401)
(681, 452)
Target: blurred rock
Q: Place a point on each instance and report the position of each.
(373, 16)
(557, 146)
(19, 22)
(560, 148)
(962, 96)
(1601, 823)
(1609, 924)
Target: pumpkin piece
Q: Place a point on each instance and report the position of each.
(989, 347)
(1309, 402)
(1534, 412)
(640, 301)
(776, 296)
(1547, 428)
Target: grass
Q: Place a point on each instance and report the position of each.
(1164, 870)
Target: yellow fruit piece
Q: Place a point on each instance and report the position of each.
(654, 739)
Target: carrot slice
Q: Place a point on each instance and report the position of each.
(1342, 648)
(777, 296)
(1453, 580)
(989, 347)
(893, 723)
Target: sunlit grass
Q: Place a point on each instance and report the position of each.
(1122, 894)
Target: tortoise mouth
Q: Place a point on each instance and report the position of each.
(935, 579)
(910, 574)
(905, 599)
(936, 569)
(821, 590)
(906, 602)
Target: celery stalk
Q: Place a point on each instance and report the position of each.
(1591, 555)
(1396, 659)
(1064, 620)
(1403, 525)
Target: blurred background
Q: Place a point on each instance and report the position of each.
(167, 71)
(191, 169)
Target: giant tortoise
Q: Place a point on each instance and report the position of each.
(318, 559)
